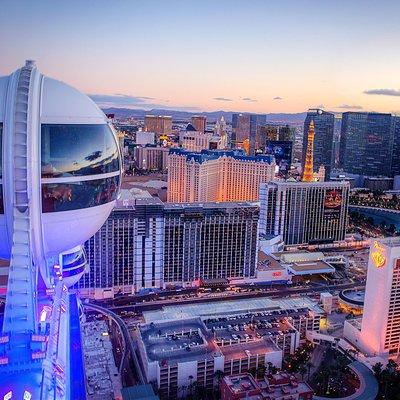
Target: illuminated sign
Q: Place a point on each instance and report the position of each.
(8, 396)
(378, 256)
(277, 273)
(332, 204)
(3, 360)
(4, 339)
(38, 355)
(27, 395)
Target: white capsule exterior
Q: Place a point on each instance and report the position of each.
(73, 166)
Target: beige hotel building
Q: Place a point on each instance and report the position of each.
(215, 175)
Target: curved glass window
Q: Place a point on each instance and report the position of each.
(77, 195)
(73, 272)
(76, 150)
(72, 260)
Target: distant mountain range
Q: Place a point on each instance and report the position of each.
(295, 118)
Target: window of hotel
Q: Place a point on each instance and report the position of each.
(76, 150)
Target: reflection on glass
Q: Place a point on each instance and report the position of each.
(75, 150)
(73, 272)
(77, 195)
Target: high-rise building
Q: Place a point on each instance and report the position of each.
(396, 147)
(323, 139)
(146, 244)
(217, 175)
(159, 124)
(304, 212)
(151, 158)
(210, 240)
(282, 151)
(287, 133)
(245, 128)
(379, 333)
(366, 143)
(193, 140)
(240, 128)
(308, 166)
(199, 122)
(126, 254)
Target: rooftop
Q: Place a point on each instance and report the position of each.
(229, 307)
(207, 155)
(241, 383)
(174, 341)
(279, 385)
(242, 350)
(209, 205)
(287, 184)
(311, 267)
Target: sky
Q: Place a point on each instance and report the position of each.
(205, 55)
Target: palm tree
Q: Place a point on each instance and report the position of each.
(270, 365)
(218, 375)
(260, 371)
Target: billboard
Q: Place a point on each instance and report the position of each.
(332, 204)
(282, 151)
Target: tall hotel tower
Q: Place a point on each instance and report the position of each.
(379, 332)
(309, 161)
(217, 175)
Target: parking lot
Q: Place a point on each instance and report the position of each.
(249, 327)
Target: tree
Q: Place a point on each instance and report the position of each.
(377, 369)
(218, 375)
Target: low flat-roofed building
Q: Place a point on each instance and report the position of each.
(279, 386)
(242, 357)
(304, 263)
(187, 343)
(284, 386)
(176, 354)
(241, 386)
(269, 271)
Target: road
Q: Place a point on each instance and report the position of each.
(129, 347)
(158, 304)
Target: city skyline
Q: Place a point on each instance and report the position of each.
(180, 55)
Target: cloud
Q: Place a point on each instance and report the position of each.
(277, 98)
(348, 107)
(383, 92)
(119, 99)
(249, 99)
(222, 99)
(320, 106)
(126, 101)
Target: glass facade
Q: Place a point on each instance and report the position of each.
(366, 143)
(323, 139)
(78, 150)
(77, 195)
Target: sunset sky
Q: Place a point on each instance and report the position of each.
(248, 55)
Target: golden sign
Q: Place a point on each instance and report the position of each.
(377, 256)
